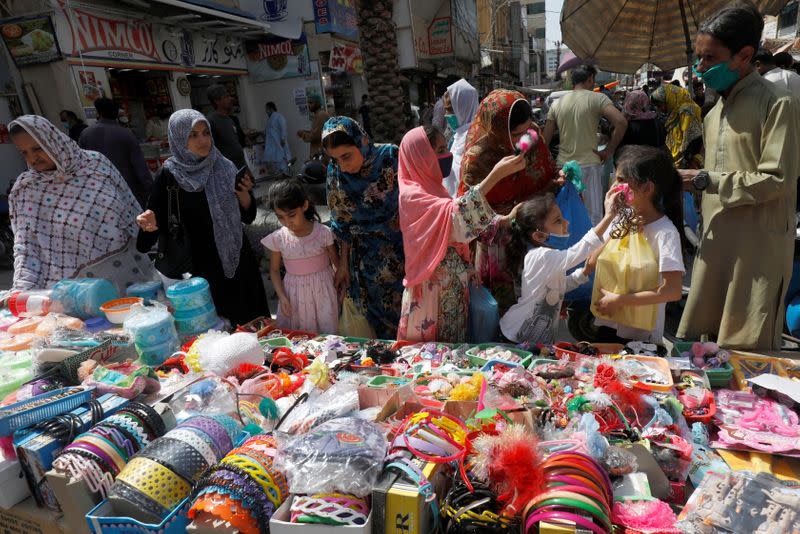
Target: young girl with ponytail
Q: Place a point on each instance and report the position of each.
(655, 207)
(538, 224)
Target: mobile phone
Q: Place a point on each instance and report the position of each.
(240, 175)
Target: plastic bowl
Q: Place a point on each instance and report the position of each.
(118, 310)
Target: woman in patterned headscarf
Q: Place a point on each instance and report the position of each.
(503, 117)
(684, 125)
(213, 207)
(362, 197)
(69, 209)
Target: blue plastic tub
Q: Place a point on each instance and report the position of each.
(189, 294)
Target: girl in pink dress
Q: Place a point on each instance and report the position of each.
(305, 246)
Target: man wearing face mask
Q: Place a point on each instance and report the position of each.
(749, 189)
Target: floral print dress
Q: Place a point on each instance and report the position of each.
(364, 214)
(438, 309)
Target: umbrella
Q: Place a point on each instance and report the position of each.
(570, 61)
(622, 35)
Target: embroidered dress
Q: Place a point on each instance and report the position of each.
(364, 215)
(438, 309)
(308, 281)
(66, 218)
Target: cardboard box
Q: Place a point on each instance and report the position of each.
(27, 518)
(36, 451)
(12, 480)
(280, 524)
(75, 499)
(397, 504)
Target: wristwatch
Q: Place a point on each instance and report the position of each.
(701, 181)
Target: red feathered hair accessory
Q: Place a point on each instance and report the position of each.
(510, 462)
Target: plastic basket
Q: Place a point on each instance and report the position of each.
(705, 419)
(659, 364)
(12, 422)
(101, 520)
(385, 381)
(718, 378)
(275, 342)
(492, 363)
(479, 361)
(604, 348)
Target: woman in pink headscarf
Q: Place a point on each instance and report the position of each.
(436, 229)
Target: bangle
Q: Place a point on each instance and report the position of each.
(184, 460)
(123, 492)
(586, 459)
(128, 425)
(573, 480)
(225, 508)
(266, 463)
(567, 503)
(236, 481)
(118, 438)
(216, 433)
(324, 507)
(92, 457)
(193, 438)
(155, 481)
(257, 503)
(80, 468)
(562, 517)
(109, 465)
(113, 453)
(570, 491)
(257, 473)
(148, 416)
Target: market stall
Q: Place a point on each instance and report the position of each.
(146, 413)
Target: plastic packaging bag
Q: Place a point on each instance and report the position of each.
(353, 323)
(344, 455)
(339, 400)
(574, 210)
(483, 315)
(627, 265)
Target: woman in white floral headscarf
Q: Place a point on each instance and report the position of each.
(70, 209)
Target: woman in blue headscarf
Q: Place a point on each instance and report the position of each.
(212, 208)
(362, 197)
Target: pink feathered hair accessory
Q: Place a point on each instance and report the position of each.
(651, 517)
(528, 140)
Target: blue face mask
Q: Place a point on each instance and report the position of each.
(720, 77)
(65, 125)
(446, 164)
(558, 241)
(452, 121)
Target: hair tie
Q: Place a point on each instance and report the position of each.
(514, 225)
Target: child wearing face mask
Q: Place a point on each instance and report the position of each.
(536, 228)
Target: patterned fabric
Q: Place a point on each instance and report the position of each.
(364, 213)
(216, 175)
(637, 106)
(684, 123)
(315, 306)
(66, 218)
(491, 262)
(438, 309)
(488, 141)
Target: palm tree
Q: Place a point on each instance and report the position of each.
(378, 37)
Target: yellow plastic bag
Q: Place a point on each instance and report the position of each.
(627, 265)
(352, 322)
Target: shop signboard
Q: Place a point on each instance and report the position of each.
(285, 17)
(106, 39)
(276, 58)
(347, 58)
(440, 37)
(336, 16)
(30, 40)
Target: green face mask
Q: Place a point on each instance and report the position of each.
(452, 121)
(720, 77)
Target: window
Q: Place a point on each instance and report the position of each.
(535, 9)
(539, 33)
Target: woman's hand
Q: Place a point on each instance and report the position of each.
(506, 219)
(147, 221)
(610, 202)
(509, 165)
(610, 303)
(243, 189)
(286, 306)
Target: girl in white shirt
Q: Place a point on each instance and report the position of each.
(534, 318)
(657, 203)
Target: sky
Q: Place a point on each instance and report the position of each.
(553, 23)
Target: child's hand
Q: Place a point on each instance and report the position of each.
(610, 201)
(609, 304)
(591, 262)
(561, 179)
(286, 307)
(509, 165)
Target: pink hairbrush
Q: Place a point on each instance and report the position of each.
(528, 140)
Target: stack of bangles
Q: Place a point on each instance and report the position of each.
(435, 437)
(99, 455)
(578, 492)
(243, 489)
(162, 475)
(338, 509)
(474, 512)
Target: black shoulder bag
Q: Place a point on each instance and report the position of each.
(174, 256)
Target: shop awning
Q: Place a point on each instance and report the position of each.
(214, 16)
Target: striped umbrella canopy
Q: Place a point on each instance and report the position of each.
(622, 35)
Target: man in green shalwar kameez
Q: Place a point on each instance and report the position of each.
(752, 157)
